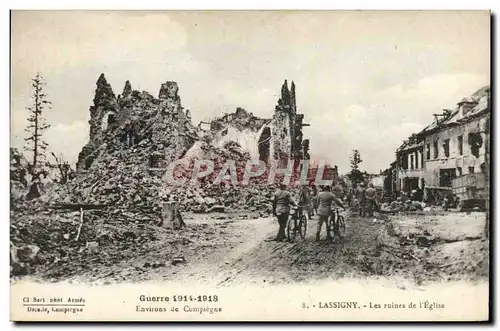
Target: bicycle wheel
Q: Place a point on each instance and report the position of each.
(290, 230)
(302, 226)
(341, 225)
(331, 226)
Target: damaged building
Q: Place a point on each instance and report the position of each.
(243, 128)
(279, 138)
(455, 145)
(133, 117)
(134, 138)
(448, 156)
(287, 124)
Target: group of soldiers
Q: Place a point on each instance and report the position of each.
(366, 199)
(321, 202)
(309, 201)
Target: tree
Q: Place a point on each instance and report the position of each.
(64, 169)
(355, 160)
(37, 125)
(356, 176)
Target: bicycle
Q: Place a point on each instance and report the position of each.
(336, 223)
(296, 214)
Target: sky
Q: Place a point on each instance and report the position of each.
(364, 80)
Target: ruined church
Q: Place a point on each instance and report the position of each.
(279, 138)
(163, 130)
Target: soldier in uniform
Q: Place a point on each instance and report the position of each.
(305, 201)
(360, 196)
(370, 195)
(281, 209)
(325, 200)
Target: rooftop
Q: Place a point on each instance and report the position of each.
(479, 98)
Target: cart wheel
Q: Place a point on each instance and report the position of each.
(290, 230)
(303, 226)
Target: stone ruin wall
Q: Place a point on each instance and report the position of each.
(279, 138)
(131, 111)
(287, 127)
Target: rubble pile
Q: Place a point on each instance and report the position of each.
(207, 195)
(18, 175)
(124, 163)
(212, 197)
(400, 205)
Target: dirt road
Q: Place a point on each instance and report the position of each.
(220, 251)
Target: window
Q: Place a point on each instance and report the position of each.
(411, 162)
(428, 151)
(404, 162)
(436, 149)
(446, 176)
(446, 147)
(459, 171)
(422, 160)
(471, 170)
(475, 143)
(460, 145)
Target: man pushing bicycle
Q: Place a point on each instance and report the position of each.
(305, 201)
(281, 209)
(325, 200)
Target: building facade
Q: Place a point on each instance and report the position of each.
(452, 147)
(410, 165)
(455, 144)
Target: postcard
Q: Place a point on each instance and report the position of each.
(222, 166)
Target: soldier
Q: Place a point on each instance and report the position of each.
(360, 196)
(314, 196)
(325, 200)
(446, 203)
(370, 195)
(305, 200)
(281, 209)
